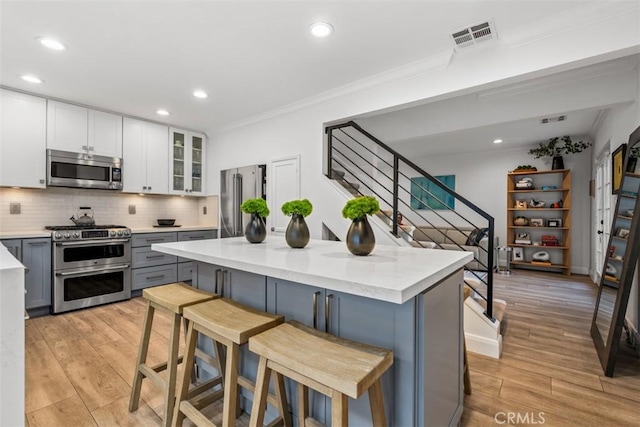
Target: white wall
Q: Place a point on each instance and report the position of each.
(54, 206)
(614, 131)
(482, 179)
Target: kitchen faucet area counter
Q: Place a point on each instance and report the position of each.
(391, 274)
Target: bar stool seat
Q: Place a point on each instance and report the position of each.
(333, 366)
(229, 324)
(172, 298)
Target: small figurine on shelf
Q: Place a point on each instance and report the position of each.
(521, 204)
(556, 205)
(536, 203)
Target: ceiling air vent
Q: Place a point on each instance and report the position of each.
(474, 34)
(553, 119)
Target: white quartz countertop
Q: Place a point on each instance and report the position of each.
(8, 261)
(389, 273)
(24, 234)
(172, 229)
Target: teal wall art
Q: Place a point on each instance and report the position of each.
(427, 195)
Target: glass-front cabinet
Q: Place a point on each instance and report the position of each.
(187, 162)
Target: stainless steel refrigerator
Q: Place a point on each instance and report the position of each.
(236, 186)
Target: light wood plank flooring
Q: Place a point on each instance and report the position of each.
(79, 365)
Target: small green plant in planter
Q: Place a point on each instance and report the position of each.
(360, 238)
(256, 231)
(297, 234)
(554, 149)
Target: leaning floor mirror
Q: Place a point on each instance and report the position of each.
(620, 264)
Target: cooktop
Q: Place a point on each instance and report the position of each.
(82, 227)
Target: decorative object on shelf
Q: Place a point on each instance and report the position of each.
(633, 166)
(623, 233)
(554, 223)
(556, 151)
(521, 204)
(556, 205)
(521, 221)
(517, 254)
(525, 169)
(537, 222)
(617, 163)
(612, 249)
(426, 194)
(523, 239)
(256, 231)
(536, 203)
(629, 193)
(548, 187)
(611, 270)
(549, 241)
(524, 184)
(360, 238)
(629, 212)
(297, 234)
(541, 256)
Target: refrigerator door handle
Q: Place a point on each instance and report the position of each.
(237, 201)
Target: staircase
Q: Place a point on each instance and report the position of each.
(363, 165)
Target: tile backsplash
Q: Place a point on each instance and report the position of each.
(54, 206)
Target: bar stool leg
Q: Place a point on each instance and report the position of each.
(231, 385)
(281, 397)
(339, 409)
(189, 352)
(142, 357)
(172, 366)
(377, 404)
(303, 404)
(260, 394)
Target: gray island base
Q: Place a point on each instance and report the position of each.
(404, 299)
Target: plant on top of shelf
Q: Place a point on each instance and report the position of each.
(256, 231)
(257, 206)
(300, 207)
(360, 237)
(553, 148)
(525, 168)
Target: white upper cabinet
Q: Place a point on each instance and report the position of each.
(186, 165)
(23, 143)
(79, 129)
(145, 157)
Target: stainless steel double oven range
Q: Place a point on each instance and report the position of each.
(91, 265)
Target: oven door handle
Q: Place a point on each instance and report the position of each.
(94, 270)
(92, 242)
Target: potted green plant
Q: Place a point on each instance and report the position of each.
(256, 231)
(556, 148)
(360, 238)
(297, 234)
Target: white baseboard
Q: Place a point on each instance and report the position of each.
(484, 346)
(580, 270)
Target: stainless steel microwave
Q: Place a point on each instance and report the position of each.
(81, 170)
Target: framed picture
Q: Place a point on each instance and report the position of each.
(536, 222)
(429, 195)
(623, 233)
(517, 254)
(617, 160)
(554, 223)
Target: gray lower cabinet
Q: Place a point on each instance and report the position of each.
(35, 254)
(185, 271)
(153, 276)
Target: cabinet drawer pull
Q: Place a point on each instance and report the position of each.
(327, 313)
(159, 276)
(154, 256)
(160, 239)
(196, 237)
(315, 309)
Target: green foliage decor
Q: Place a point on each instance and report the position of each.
(554, 149)
(360, 206)
(525, 167)
(258, 206)
(302, 207)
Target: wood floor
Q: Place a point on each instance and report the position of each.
(79, 365)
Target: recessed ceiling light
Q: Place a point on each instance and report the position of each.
(51, 43)
(31, 79)
(321, 29)
(162, 112)
(497, 141)
(200, 94)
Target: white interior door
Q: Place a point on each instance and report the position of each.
(284, 179)
(603, 211)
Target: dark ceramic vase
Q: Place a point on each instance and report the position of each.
(360, 237)
(558, 163)
(256, 231)
(297, 234)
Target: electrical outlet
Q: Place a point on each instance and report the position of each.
(204, 210)
(132, 209)
(14, 208)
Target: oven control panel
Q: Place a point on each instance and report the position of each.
(70, 234)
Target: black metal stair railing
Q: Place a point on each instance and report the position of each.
(364, 165)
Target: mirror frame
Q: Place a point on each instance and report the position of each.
(607, 351)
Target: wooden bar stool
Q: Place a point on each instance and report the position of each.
(172, 298)
(230, 325)
(333, 366)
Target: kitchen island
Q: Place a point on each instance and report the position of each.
(405, 299)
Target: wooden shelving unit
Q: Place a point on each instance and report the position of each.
(560, 255)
